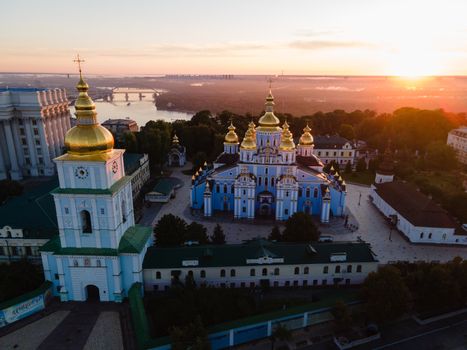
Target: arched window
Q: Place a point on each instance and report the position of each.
(265, 272)
(349, 268)
(272, 182)
(421, 235)
(158, 275)
(75, 263)
(86, 221)
(296, 270)
(359, 268)
(87, 262)
(232, 273)
(300, 191)
(259, 181)
(8, 234)
(337, 269)
(202, 274)
(307, 192)
(217, 188)
(232, 189)
(430, 235)
(315, 193)
(265, 181)
(123, 211)
(225, 188)
(98, 263)
(306, 270)
(252, 272)
(325, 269)
(276, 271)
(222, 273)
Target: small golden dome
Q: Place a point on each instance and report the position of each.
(87, 137)
(249, 141)
(306, 138)
(287, 143)
(231, 136)
(175, 140)
(269, 119)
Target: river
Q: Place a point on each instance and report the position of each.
(140, 111)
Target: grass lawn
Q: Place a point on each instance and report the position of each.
(363, 177)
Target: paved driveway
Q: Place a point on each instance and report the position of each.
(373, 228)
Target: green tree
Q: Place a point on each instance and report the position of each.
(196, 232)
(347, 131)
(170, 230)
(342, 316)
(275, 234)
(440, 156)
(9, 188)
(281, 333)
(348, 167)
(130, 142)
(218, 236)
(361, 165)
(386, 295)
(191, 337)
(18, 278)
(300, 228)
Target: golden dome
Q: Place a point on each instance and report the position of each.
(287, 143)
(249, 141)
(269, 120)
(306, 138)
(175, 140)
(231, 136)
(252, 126)
(87, 137)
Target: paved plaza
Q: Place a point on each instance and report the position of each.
(371, 225)
(75, 326)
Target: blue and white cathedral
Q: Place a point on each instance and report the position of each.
(268, 175)
(99, 250)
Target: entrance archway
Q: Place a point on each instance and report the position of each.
(175, 160)
(92, 293)
(265, 210)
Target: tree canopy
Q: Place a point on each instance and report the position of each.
(300, 228)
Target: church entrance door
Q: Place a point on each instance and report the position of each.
(92, 293)
(265, 210)
(175, 160)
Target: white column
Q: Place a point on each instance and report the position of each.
(55, 129)
(15, 172)
(31, 146)
(50, 139)
(43, 141)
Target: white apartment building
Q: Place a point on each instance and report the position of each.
(330, 148)
(457, 139)
(260, 263)
(33, 123)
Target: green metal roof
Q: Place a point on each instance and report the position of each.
(237, 254)
(134, 239)
(164, 186)
(131, 162)
(54, 246)
(110, 191)
(33, 211)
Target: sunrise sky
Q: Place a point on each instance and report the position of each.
(343, 37)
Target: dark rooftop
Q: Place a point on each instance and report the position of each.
(33, 211)
(131, 162)
(417, 208)
(309, 161)
(237, 254)
(329, 141)
(227, 158)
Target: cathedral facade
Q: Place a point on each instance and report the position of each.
(268, 175)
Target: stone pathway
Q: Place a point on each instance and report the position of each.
(33, 334)
(106, 333)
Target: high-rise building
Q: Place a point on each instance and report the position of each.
(457, 139)
(33, 123)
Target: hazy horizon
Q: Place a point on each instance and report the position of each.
(342, 38)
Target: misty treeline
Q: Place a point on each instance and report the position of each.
(408, 129)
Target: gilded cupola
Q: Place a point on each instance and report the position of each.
(287, 143)
(88, 137)
(306, 138)
(175, 140)
(269, 121)
(249, 141)
(231, 136)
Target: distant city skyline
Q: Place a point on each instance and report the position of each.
(335, 37)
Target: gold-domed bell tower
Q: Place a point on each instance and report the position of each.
(305, 144)
(231, 140)
(287, 145)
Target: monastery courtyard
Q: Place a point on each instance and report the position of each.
(372, 227)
